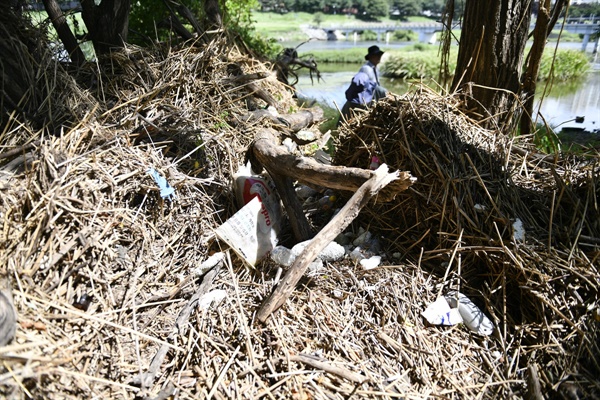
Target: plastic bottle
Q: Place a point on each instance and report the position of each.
(472, 316)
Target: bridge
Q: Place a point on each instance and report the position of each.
(585, 26)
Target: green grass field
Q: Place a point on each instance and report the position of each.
(287, 26)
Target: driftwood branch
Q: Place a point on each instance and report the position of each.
(247, 82)
(8, 318)
(245, 78)
(288, 62)
(380, 178)
(19, 149)
(294, 122)
(266, 153)
(534, 389)
(262, 94)
(301, 119)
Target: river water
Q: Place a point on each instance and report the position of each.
(561, 105)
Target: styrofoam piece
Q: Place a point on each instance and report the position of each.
(371, 262)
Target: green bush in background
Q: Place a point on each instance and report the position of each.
(416, 62)
(404, 36)
(568, 64)
(368, 36)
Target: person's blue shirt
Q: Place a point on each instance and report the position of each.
(361, 89)
(371, 70)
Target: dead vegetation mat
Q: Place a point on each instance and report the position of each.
(105, 273)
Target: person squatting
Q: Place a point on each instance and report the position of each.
(364, 88)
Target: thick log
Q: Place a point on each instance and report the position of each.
(301, 119)
(267, 153)
(379, 179)
(292, 122)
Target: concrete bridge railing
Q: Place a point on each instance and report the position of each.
(586, 26)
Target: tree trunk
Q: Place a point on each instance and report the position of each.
(64, 32)
(543, 27)
(213, 15)
(533, 66)
(490, 55)
(107, 23)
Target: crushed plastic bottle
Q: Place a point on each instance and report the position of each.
(282, 256)
(472, 316)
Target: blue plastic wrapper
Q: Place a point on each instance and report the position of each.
(166, 190)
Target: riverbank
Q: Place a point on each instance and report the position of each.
(422, 61)
(563, 102)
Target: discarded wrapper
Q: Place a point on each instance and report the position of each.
(252, 231)
(166, 190)
(447, 311)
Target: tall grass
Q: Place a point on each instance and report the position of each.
(416, 62)
(567, 65)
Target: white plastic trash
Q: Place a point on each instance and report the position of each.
(282, 256)
(447, 311)
(370, 263)
(472, 316)
(252, 232)
(286, 257)
(356, 254)
(518, 230)
(440, 313)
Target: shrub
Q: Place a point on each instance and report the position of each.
(368, 36)
(404, 36)
(567, 65)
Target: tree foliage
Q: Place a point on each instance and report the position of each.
(406, 8)
(584, 10)
(149, 19)
(375, 9)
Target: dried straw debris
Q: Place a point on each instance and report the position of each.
(81, 216)
(476, 190)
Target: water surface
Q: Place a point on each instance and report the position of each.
(559, 107)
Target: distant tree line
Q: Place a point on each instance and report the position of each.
(375, 9)
(362, 8)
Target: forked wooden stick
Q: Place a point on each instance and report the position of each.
(347, 214)
(284, 168)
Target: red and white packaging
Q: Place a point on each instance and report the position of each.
(252, 232)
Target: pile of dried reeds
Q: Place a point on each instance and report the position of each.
(107, 275)
(477, 192)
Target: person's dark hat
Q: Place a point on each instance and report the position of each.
(373, 51)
